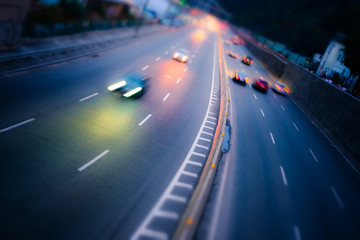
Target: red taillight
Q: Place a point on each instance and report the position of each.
(286, 90)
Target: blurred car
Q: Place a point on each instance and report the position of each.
(131, 84)
(237, 40)
(280, 88)
(181, 55)
(247, 60)
(240, 77)
(261, 84)
(200, 34)
(232, 54)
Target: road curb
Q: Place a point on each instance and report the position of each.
(193, 212)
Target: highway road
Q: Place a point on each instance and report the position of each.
(80, 162)
(282, 178)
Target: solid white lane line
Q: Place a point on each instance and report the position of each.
(93, 160)
(262, 112)
(17, 125)
(296, 127)
(190, 174)
(145, 119)
(201, 146)
(274, 96)
(184, 185)
(177, 82)
(313, 155)
(167, 95)
(85, 98)
(158, 58)
(204, 139)
(167, 214)
(283, 175)
(144, 68)
(166, 52)
(272, 138)
(199, 154)
(250, 85)
(255, 96)
(338, 199)
(282, 107)
(297, 233)
(185, 69)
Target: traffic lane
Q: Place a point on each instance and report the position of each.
(181, 117)
(290, 131)
(110, 117)
(330, 185)
(27, 93)
(259, 193)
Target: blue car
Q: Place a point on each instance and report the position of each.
(131, 84)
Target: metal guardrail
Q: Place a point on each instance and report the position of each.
(20, 62)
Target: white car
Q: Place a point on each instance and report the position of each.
(181, 55)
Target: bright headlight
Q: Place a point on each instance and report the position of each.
(117, 85)
(176, 55)
(132, 92)
(184, 58)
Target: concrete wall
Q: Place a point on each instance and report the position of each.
(336, 110)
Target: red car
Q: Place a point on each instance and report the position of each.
(261, 84)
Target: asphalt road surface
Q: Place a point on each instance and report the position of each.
(282, 178)
(80, 162)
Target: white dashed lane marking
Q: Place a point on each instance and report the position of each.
(283, 176)
(93, 160)
(272, 138)
(85, 98)
(167, 95)
(262, 112)
(177, 82)
(17, 125)
(297, 233)
(338, 199)
(144, 68)
(313, 155)
(145, 119)
(297, 129)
